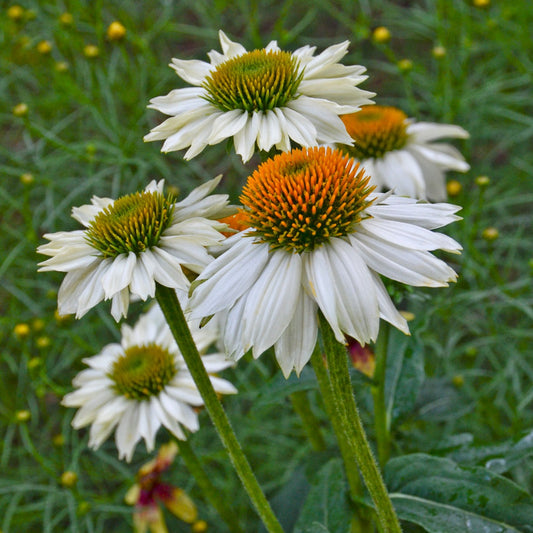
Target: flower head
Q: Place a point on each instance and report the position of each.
(150, 490)
(131, 243)
(318, 238)
(143, 383)
(399, 153)
(264, 97)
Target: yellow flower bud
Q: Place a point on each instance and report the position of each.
(38, 324)
(481, 3)
(34, 362)
(482, 181)
(20, 109)
(44, 47)
(405, 65)
(27, 178)
(15, 12)
(21, 330)
(381, 35)
(454, 187)
(43, 342)
(69, 479)
(22, 416)
(408, 315)
(490, 234)
(91, 51)
(458, 380)
(66, 19)
(438, 52)
(116, 31)
(61, 66)
(199, 527)
(58, 440)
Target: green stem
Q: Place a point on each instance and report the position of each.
(178, 325)
(354, 433)
(210, 491)
(350, 466)
(381, 419)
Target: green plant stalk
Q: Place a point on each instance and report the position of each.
(360, 521)
(350, 466)
(354, 433)
(310, 423)
(381, 418)
(178, 325)
(210, 491)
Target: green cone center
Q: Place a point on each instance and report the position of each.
(255, 81)
(143, 371)
(133, 223)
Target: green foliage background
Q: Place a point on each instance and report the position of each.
(468, 389)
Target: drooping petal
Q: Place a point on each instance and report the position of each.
(271, 301)
(295, 346)
(229, 276)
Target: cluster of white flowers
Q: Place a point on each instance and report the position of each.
(319, 228)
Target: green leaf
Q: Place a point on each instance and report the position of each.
(439, 518)
(326, 507)
(279, 387)
(440, 400)
(499, 458)
(288, 502)
(437, 491)
(404, 375)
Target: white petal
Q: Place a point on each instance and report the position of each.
(412, 267)
(230, 48)
(387, 311)
(408, 210)
(330, 55)
(167, 270)
(118, 275)
(142, 279)
(192, 71)
(227, 125)
(408, 235)
(401, 172)
(322, 113)
(245, 139)
(297, 126)
(429, 131)
(319, 278)
(179, 101)
(148, 424)
(269, 131)
(228, 277)
(232, 329)
(127, 434)
(222, 386)
(271, 301)
(356, 298)
(443, 155)
(120, 304)
(168, 420)
(295, 346)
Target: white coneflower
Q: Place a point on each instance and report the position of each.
(264, 97)
(400, 154)
(318, 238)
(131, 243)
(141, 384)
